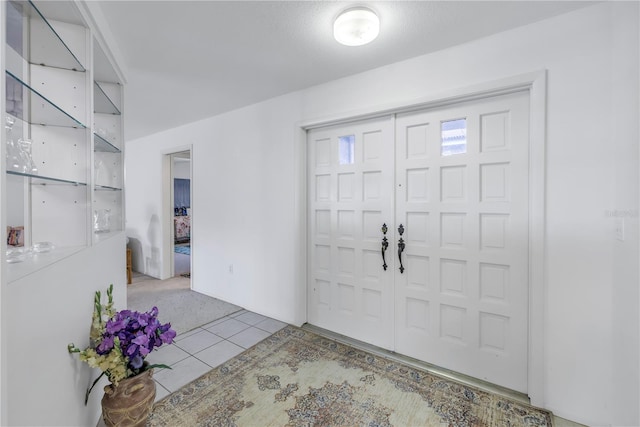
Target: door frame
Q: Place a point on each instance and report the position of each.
(166, 214)
(536, 85)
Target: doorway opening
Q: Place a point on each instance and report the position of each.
(181, 205)
(453, 181)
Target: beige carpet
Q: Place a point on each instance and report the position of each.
(176, 302)
(298, 378)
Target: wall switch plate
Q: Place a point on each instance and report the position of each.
(620, 229)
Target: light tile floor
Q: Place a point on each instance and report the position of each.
(196, 352)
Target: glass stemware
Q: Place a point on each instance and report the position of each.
(14, 162)
(27, 164)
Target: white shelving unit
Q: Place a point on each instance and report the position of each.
(64, 96)
(63, 91)
(108, 162)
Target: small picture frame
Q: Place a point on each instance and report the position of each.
(15, 236)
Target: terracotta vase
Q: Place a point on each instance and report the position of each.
(130, 402)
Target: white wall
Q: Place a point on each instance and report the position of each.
(625, 284)
(247, 173)
(15, 193)
(241, 184)
(49, 309)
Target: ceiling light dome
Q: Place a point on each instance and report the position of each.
(355, 27)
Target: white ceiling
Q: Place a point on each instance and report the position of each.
(188, 60)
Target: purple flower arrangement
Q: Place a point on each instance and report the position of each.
(138, 334)
(120, 341)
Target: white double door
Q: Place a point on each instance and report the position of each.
(454, 180)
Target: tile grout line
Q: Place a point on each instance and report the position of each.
(177, 343)
(193, 355)
(223, 339)
(189, 354)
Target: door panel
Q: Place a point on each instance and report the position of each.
(351, 171)
(465, 214)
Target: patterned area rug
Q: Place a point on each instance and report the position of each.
(297, 378)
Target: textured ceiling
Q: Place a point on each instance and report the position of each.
(190, 60)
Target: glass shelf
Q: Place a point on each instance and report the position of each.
(42, 111)
(47, 48)
(102, 103)
(101, 237)
(44, 180)
(104, 146)
(106, 188)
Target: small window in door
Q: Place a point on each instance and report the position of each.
(453, 137)
(346, 149)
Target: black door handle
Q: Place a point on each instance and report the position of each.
(401, 247)
(385, 245)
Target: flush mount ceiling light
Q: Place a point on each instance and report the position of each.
(355, 27)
